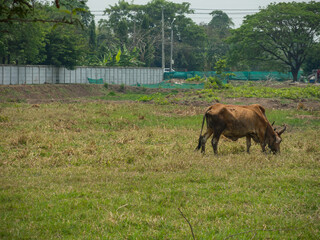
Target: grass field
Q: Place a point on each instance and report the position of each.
(108, 170)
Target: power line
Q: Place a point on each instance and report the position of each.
(239, 12)
(226, 9)
(233, 13)
(209, 9)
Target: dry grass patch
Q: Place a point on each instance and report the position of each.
(98, 170)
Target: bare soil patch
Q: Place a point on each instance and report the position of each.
(47, 93)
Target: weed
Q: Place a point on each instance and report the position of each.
(195, 79)
(145, 98)
(161, 101)
(21, 140)
(313, 148)
(130, 160)
(112, 93)
(4, 119)
(250, 90)
(143, 89)
(16, 100)
(156, 97)
(174, 91)
(122, 88)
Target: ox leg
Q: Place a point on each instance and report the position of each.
(214, 142)
(263, 147)
(262, 142)
(203, 140)
(248, 143)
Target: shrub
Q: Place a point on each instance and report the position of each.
(122, 88)
(112, 93)
(214, 83)
(146, 98)
(195, 79)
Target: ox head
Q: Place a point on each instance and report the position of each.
(274, 142)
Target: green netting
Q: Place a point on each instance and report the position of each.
(173, 85)
(95, 81)
(238, 76)
(186, 75)
(251, 76)
(255, 76)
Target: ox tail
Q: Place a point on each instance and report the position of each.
(200, 137)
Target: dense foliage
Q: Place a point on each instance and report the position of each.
(281, 37)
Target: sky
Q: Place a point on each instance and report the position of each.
(236, 9)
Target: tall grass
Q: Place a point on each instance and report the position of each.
(98, 170)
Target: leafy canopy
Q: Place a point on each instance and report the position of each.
(282, 33)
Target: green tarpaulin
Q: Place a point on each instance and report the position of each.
(95, 81)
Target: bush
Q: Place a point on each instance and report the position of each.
(214, 83)
(122, 88)
(195, 79)
(112, 93)
(145, 98)
(158, 98)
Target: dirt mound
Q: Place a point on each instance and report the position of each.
(47, 92)
(53, 92)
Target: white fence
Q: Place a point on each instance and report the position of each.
(27, 74)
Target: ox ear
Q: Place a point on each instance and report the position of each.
(282, 131)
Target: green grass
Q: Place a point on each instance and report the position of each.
(252, 90)
(141, 96)
(249, 90)
(295, 118)
(98, 170)
(121, 96)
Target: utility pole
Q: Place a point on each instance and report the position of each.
(171, 50)
(134, 30)
(163, 57)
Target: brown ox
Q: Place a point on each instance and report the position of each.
(235, 122)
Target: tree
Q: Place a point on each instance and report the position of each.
(312, 61)
(22, 42)
(220, 23)
(92, 36)
(24, 11)
(217, 30)
(64, 47)
(282, 33)
(189, 50)
(139, 26)
(123, 58)
(37, 33)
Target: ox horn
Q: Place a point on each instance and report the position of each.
(272, 123)
(282, 131)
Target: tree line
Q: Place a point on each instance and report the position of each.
(282, 37)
